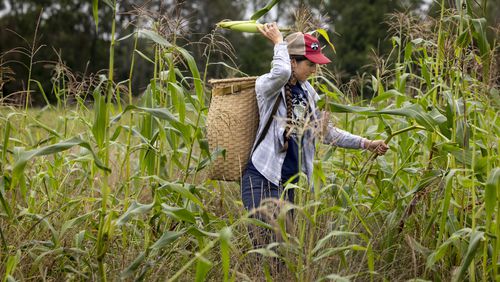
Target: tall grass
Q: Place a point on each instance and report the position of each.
(117, 189)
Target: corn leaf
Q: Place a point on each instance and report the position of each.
(441, 251)
(6, 138)
(48, 129)
(144, 56)
(72, 222)
(155, 37)
(464, 156)
(416, 246)
(132, 268)
(24, 157)
(340, 108)
(160, 113)
(446, 203)
(167, 238)
(479, 32)
(5, 204)
(386, 95)
(414, 111)
(347, 197)
(257, 15)
(193, 68)
(264, 252)
(425, 180)
(10, 266)
(200, 233)
(321, 242)
(371, 259)
(225, 241)
(326, 37)
(42, 219)
(179, 213)
(202, 267)
(134, 210)
(99, 127)
(177, 93)
(475, 238)
(490, 194)
(182, 190)
(331, 251)
(212, 157)
(42, 91)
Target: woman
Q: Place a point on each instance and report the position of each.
(288, 144)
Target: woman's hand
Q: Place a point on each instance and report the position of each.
(377, 146)
(272, 32)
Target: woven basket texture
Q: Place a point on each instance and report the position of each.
(232, 122)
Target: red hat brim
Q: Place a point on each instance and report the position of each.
(318, 58)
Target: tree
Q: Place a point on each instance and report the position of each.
(65, 33)
(360, 29)
(68, 32)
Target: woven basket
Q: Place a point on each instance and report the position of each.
(232, 122)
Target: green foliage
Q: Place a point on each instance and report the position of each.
(360, 30)
(128, 198)
(260, 13)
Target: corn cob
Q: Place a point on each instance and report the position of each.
(242, 26)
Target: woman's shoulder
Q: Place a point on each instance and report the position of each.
(269, 83)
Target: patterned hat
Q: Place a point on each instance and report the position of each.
(306, 45)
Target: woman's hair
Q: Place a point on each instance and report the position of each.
(289, 106)
(298, 58)
(288, 102)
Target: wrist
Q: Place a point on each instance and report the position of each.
(365, 143)
(369, 144)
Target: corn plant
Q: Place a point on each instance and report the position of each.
(117, 188)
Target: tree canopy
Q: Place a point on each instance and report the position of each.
(68, 36)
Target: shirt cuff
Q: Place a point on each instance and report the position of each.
(362, 145)
(281, 45)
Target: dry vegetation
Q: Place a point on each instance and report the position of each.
(117, 188)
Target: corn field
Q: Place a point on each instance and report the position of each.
(106, 186)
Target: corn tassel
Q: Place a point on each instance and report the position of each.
(242, 26)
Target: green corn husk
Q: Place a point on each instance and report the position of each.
(242, 26)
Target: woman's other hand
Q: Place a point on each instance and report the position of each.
(272, 32)
(377, 146)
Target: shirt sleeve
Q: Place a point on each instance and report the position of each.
(340, 138)
(270, 84)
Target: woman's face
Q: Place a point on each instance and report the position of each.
(303, 69)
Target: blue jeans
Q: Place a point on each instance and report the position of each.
(255, 188)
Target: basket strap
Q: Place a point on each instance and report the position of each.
(231, 89)
(268, 124)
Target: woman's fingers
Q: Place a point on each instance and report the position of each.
(271, 31)
(382, 148)
(262, 29)
(379, 147)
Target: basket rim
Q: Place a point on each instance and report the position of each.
(233, 79)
